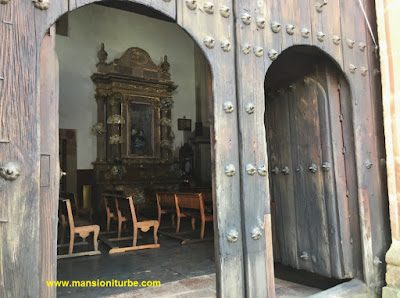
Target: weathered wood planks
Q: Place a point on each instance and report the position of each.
(19, 199)
(250, 75)
(212, 32)
(50, 180)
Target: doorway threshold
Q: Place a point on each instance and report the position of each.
(205, 286)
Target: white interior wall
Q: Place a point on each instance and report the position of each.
(119, 30)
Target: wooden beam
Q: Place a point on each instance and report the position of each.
(131, 248)
(79, 254)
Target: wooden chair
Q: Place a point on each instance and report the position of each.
(126, 212)
(79, 211)
(166, 205)
(208, 201)
(82, 231)
(180, 213)
(62, 218)
(191, 204)
(111, 209)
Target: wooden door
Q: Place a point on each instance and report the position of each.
(312, 174)
(49, 164)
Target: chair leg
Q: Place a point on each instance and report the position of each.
(178, 224)
(63, 228)
(119, 228)
(203, 224)
(155, 227)
(193, 223)
(159, 218)
(96, 232)
(71, 243)
(108, 223)
(135, 232)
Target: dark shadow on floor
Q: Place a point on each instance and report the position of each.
(305, 278)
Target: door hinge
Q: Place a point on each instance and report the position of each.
(344, 150)
(341, 117)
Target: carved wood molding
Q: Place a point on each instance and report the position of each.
(135, 62)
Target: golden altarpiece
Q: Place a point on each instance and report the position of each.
(134, 134)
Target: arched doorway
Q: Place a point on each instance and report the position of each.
(227, 257)
(312, 164)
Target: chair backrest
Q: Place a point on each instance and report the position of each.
(66, 210)
(165, 200)
(125, 207)
(109, 202)
(189, 201)
(207, 197)
(72, 197)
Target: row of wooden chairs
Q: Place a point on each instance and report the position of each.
(122, 209)
(180, 205)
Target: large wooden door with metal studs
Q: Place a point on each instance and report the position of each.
(312, 174)
(325, 175)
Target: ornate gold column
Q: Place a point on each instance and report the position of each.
(101, 149)
(388, 20)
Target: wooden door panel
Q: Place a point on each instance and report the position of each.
(310, 205)
(329, 128)
(351, 234)
(50, 173)
(304, 130)
(282, 183)
(274, 157)
(19, 132)
(339, 150)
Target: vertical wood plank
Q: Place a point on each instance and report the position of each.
(250, 70)
(310, 204)
(297, 13)
(273, 137)
(283, 186)
(352, 22)
(328, 22)
(335, 185)
(19, 248)
(49, 145)
(269, 255)
(224, 138)
(380, 224)
(272, 40)
(341, 201)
